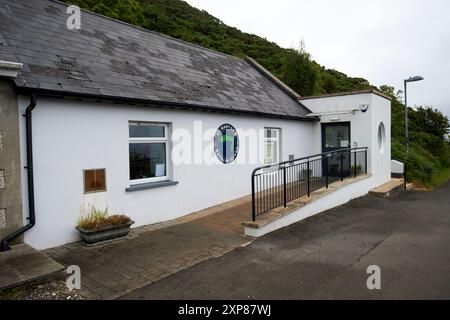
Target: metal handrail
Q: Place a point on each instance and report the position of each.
(305, 158)
(273, 184)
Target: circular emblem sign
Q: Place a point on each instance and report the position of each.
(226, 143)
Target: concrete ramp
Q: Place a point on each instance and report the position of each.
(336, 194)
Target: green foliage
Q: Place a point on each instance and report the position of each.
(328, 83)
(298, 72)
(430, 121)
(178, 19)
(428, 161)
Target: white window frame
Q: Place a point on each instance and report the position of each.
(271, 139)
(165, 140)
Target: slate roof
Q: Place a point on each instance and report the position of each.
(109, 58)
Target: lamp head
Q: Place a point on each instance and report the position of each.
(413, 79)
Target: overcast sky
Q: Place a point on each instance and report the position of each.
(384, 41)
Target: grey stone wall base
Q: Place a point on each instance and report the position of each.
(10, 187)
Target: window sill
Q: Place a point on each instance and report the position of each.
(150, 185)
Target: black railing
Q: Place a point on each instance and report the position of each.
(276, 185)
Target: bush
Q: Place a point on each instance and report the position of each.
(419, 168)
(428, 161)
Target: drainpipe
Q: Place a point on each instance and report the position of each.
(31, 212)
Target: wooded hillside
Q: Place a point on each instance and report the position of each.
(178, 19)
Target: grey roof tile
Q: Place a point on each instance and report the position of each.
(114, 59)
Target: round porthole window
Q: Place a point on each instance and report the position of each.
(381, 137)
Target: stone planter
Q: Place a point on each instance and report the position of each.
(92, 237)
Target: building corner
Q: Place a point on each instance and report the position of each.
(11, 215)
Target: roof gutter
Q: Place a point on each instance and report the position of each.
(4, 246)
(154, 103)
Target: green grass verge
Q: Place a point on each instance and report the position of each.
(440, 177)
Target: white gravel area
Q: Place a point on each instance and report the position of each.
(55, 290)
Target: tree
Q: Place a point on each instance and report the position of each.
(390, 91)
(429, 152)
(432, 121)
(329, 83)
(298, 71)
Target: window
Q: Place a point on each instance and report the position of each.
(271, 145)
(148, 148)
(337, 136)
(381, 137)
(94, 180)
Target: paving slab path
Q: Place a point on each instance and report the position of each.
(154, 252)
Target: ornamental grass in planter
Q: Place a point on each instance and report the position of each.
(97, 226)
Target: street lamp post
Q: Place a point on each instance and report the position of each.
(411, 79)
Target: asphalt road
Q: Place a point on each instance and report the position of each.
(327, 256)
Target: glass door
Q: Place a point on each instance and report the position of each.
(336, 136)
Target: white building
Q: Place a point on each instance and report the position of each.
(133, 120)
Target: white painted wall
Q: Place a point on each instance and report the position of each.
(363, 127)
(69, 136)
(360, 122)
(380, 161)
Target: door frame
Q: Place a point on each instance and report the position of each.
(329, 124)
